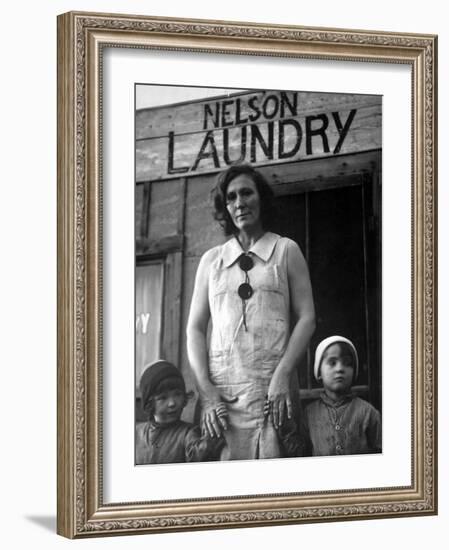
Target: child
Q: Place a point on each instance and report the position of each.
(340, 423)
(165, 438)
(293, 437)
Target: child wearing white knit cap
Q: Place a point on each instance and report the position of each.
(339, 423)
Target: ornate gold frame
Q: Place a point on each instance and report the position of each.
(81, 37)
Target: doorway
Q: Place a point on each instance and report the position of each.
(339, 234)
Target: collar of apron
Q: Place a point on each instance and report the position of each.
(263, 248)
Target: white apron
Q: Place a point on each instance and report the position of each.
(241, 362)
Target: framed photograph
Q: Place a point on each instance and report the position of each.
(246, 274)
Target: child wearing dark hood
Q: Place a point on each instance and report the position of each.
(340, 423)
(165, 438)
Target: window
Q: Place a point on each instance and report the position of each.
(149, 314)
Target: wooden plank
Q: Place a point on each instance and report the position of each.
(172, 308)
(184, 141)
(315, 174)
(274, 142)
(158, 247)
(236, 109)
(310, 395)
(201, 230)
(190, 265)
(138, 206)
(164, 209)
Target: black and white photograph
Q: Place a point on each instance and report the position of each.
(258, 274)
(145, 145)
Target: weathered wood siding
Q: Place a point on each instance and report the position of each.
(258, 127)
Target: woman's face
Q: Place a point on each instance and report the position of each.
(243, 203)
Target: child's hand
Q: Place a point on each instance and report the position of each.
(215, 415)
(222, 413)
(267, 408)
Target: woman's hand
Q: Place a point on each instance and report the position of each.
(279, 400)
(301, 303)
(215, 412)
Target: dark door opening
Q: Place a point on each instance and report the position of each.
(335, 231)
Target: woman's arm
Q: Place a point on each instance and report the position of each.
(214, 415)
(301, 302)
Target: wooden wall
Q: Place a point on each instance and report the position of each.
(174, 210)
(258, 127)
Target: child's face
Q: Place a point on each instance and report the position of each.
(168, 406)
(337, 369)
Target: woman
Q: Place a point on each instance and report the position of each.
(255, 290)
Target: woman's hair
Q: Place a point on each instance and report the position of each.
(266, 195)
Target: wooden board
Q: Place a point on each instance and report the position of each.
(164, 209)
(265, 127)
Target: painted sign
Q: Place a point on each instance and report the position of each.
(259, 128)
